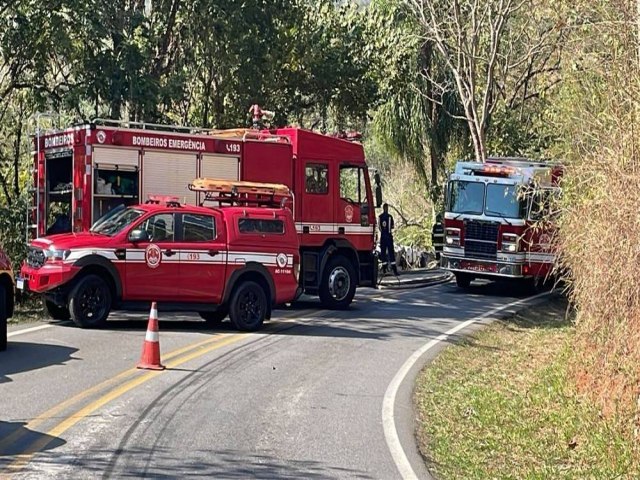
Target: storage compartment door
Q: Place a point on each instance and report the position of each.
(115, 156)
(220, 167)
(168, 173)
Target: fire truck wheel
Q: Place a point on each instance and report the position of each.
(248, 307)
(463, 280)
(90, 302)
(214, 318)
(338, 283)
(56, 312)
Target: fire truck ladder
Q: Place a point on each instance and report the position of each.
(34, 187)
(242, 193)
(242, 134)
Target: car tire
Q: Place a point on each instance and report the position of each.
(56, 312)
(3, 317)
(214, 318)
(90, 302)
(463, 280)
(338, 285)
(248, 307)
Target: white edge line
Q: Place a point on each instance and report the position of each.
(388, 404)
(27, 330)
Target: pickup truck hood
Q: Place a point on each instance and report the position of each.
(68, 241)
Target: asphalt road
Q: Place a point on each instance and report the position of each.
(302, 398)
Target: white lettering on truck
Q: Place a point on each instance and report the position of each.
(58, 140)
(159, 142)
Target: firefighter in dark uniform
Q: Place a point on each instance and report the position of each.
(437, 236)
(387, 252)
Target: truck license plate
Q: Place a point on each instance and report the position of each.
(479, 267)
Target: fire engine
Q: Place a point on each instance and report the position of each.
(496, 220)
(82, 172)
(6, 297)
(240, 259)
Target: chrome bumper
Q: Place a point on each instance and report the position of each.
(481, 268)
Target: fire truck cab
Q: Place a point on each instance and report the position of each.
(83, 172)
(496, 220)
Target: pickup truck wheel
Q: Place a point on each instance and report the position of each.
(338, 285)
(214, 318)
(463, 280)
(248, 306)
(90, 302)
(56, 312)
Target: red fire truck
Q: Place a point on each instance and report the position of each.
(496, 220)
(83, 172)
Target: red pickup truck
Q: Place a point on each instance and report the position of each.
(231, 260)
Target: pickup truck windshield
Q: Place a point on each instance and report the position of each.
(118, 222)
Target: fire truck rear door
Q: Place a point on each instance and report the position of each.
(320, 183)
(203, 257)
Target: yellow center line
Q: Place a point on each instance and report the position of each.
(52, 412)
(24, 458)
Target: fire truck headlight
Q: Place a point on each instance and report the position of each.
(452, 237)
(510, 247)
(53, 254)
(509, 242)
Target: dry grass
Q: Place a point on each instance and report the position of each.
(503, 405)
(599, 235)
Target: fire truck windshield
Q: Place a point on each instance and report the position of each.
(503, 201)
(466, 197)
(494, 199)
(117, 222)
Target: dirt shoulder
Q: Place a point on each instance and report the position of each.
(501, 404)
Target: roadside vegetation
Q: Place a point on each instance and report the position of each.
(503, 404)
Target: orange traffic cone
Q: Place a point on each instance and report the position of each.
(150, 358)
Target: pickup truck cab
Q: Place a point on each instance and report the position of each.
(232, 260)
(6, 297)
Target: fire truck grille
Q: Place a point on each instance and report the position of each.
(35, 257)
(481, 239)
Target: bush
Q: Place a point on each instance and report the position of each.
(13, 230)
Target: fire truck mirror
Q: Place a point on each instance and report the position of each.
(364, 209)
(137, 236)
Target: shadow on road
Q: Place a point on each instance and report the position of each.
(23, 357)
(163, 463)
(15, 437)
(376, 314)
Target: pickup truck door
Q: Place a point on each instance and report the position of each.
(153, 268)
(203, 257)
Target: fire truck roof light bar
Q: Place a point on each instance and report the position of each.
(484, 169)
(168, 200)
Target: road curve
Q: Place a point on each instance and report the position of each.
(301, 399)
